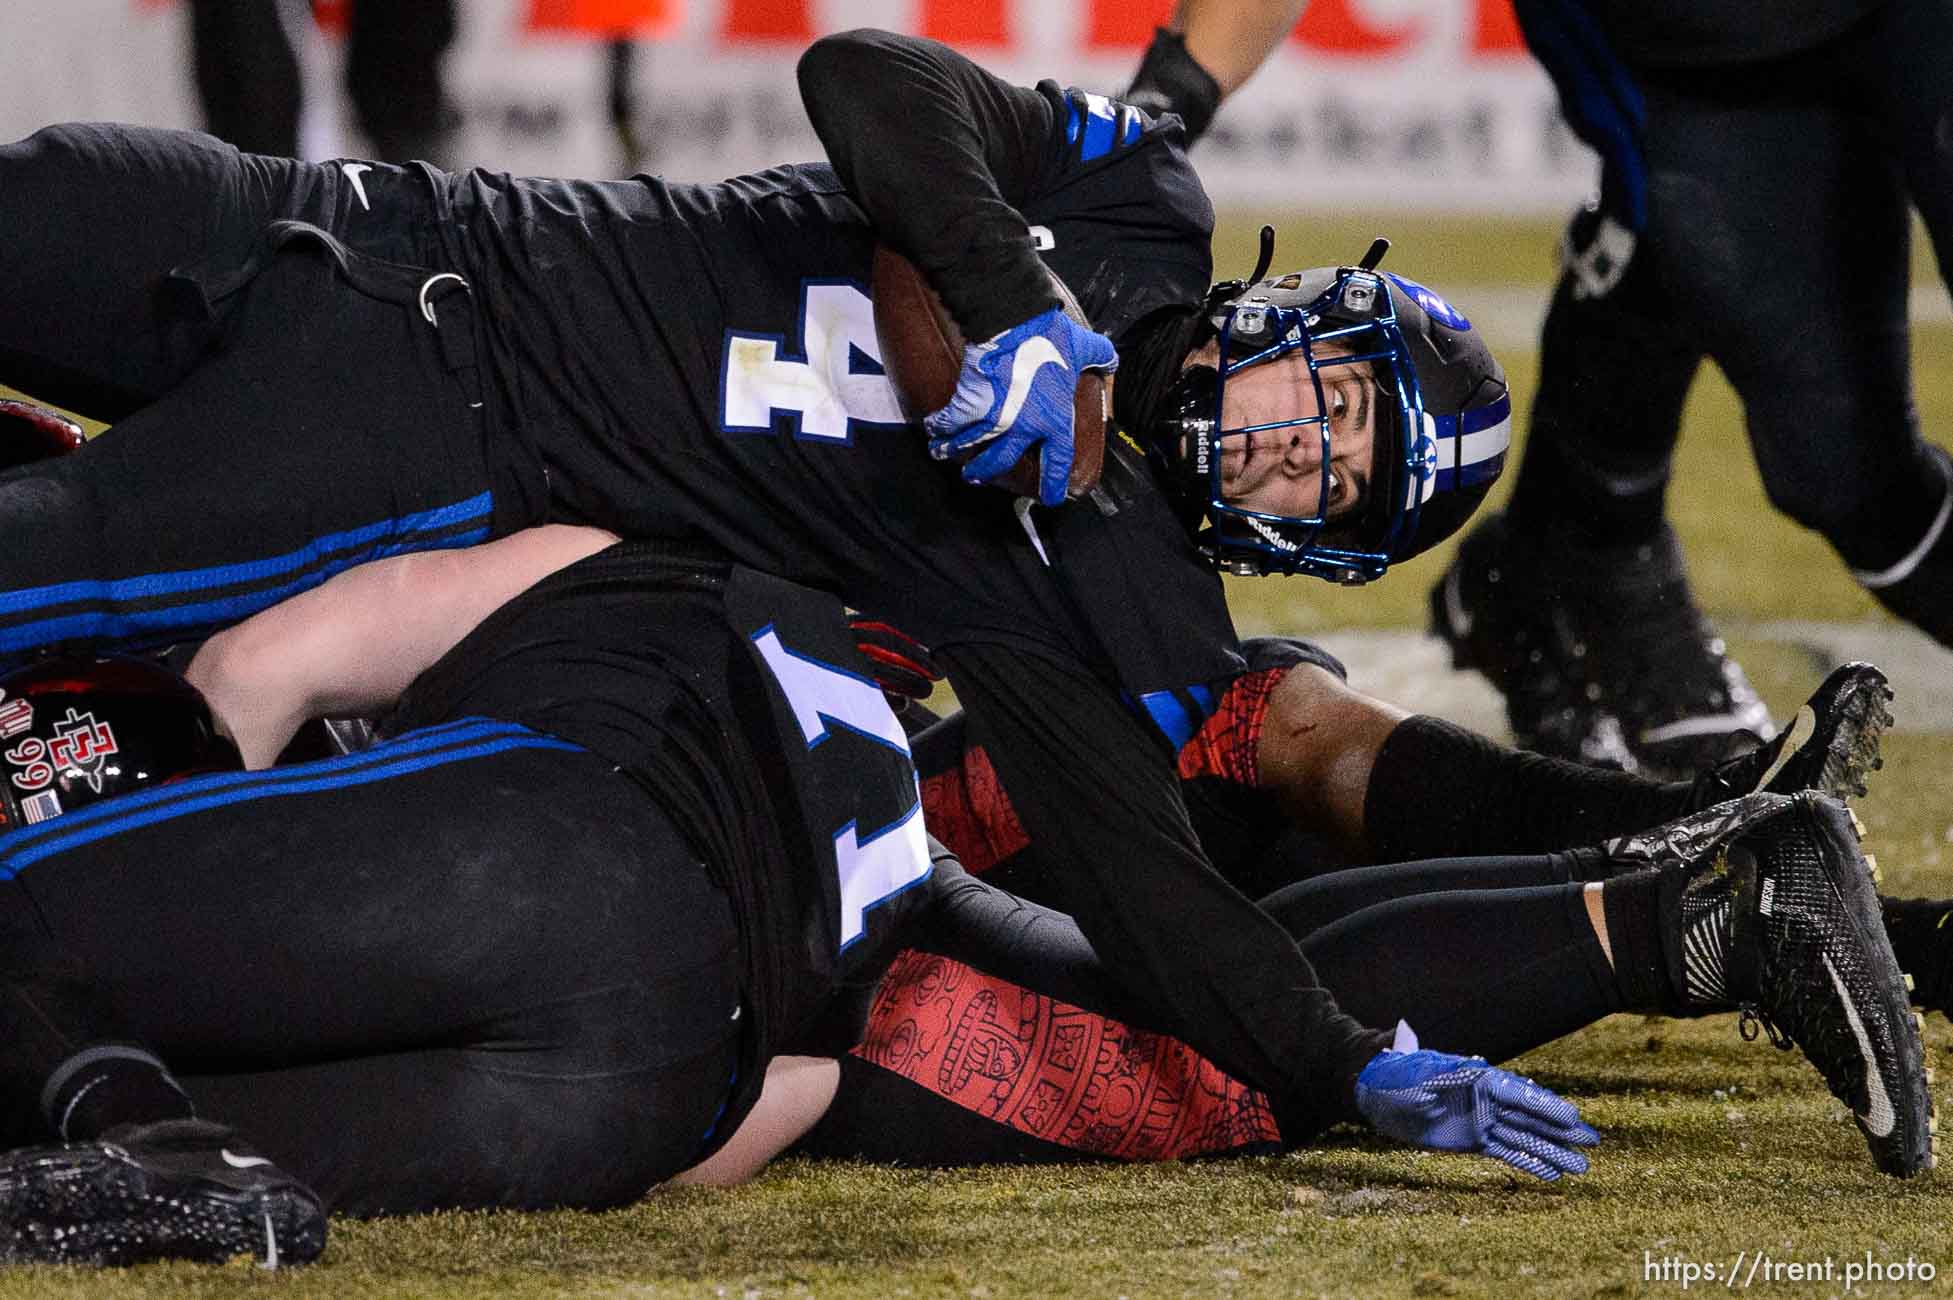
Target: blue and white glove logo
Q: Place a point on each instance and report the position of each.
(1015, 396)
(1460, 1103)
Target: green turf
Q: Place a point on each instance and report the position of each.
(1713, 1146)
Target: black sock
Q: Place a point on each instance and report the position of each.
(1646, 969)
(108, 1084)
(1921, 931)
(64, 1063)
(48, 1012)
(1439, 791)
(1613, 375)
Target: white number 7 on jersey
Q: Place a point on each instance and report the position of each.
(886, 860)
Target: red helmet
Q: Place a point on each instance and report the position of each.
(30, 432)
(76, 729)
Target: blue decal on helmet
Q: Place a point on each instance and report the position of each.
(1435, 307)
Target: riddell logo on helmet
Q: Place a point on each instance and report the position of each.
(1272, 537)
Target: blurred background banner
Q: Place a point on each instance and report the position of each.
(1378, 104)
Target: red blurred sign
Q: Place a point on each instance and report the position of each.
(604, 18)
(1335, 27)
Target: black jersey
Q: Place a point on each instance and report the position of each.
(698, 362)
(739, 702)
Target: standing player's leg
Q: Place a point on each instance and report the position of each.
(1575, 602)
(1783, 230)
(341, 422)
(394, 78)
(1890, 73)
(247, 73)
(472, 966)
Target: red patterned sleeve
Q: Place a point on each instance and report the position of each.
(1228, 745)
(1056, 1072)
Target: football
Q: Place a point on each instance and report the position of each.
(922, 351)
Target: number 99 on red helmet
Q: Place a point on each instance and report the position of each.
(78, 729)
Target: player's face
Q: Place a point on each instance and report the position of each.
(1280, 471)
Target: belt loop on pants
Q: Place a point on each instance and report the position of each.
(458, 340)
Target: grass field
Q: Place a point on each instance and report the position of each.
(1712, 1146)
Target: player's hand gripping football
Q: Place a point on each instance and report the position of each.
(1460, 1103)
(1014, 397)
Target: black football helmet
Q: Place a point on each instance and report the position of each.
(77, 729)
(1443, 424)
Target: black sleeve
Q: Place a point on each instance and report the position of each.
(974, 922)
(941, 155)
(1099, 795)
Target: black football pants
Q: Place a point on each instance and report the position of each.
(290, 369)
(472, 966)
(1777, 243)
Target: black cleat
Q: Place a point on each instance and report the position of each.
(1808, 960)
(1830, 746)
(175, 1189)
(1602, 655)
(1696, 840)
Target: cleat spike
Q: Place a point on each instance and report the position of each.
(1871, 866)
(1857, 827)
(1912, 985)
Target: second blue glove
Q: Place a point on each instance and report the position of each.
(1460, 1103)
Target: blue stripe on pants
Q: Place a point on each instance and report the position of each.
(434, 747)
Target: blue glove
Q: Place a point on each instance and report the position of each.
(1459, 1103)
(1015, 396)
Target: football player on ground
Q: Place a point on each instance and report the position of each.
(522, 916)
(313, 366)
(1020, 1074)
(1291, 746)
(536, 948)
(1755, 182)
(628, 857)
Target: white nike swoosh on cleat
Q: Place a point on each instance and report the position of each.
(1880, 1118)
(241, 1162)
(1032, 356)
(1801, 728)
(1708, 724)
(352, 171)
